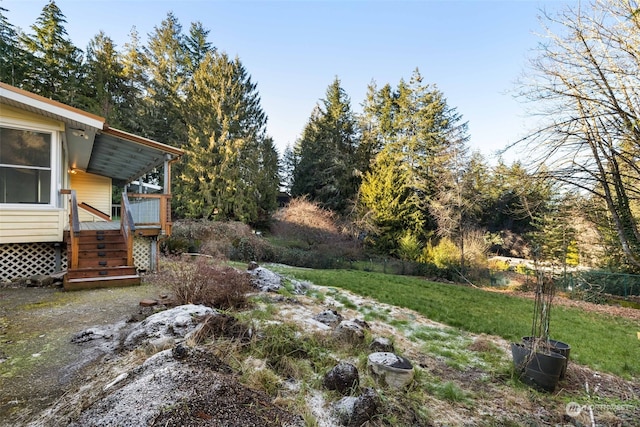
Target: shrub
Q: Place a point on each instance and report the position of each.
(205, 282)
(174, 245)
(444, 255)
(251, 248)
(409, 247)
(499, 265)
(308, 225)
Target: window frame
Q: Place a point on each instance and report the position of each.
(54, 157)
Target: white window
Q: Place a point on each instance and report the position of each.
(26, 166)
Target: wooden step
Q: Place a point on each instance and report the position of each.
(100, 272)
(99, 262)
(100, 282)
(97, 246)
(103, 253)
(100, 239)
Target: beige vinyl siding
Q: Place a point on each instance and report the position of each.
(31, 226)
(94, 190)
(12, 115)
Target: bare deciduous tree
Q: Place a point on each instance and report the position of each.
(584, 84)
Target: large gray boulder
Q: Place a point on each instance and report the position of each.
(163, 329)
(265, 280)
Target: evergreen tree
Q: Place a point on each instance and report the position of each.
(383, 203)
(267, 180)
(288, 165)
(105, 80)
(421, 136)
(375, 124)
(326, 170)
(166, 61)
(14, 61)
(197, 46)
(57, 70)
(131, 110)
(230, 171)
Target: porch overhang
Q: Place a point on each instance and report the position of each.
(125, 157)
(92, 145)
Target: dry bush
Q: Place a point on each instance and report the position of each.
(304, 225)
(203, 281)
(306, 221)
(304, 213)
(215, 238)
(475, 248)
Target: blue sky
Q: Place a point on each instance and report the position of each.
(472, 50)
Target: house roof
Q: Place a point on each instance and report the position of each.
(94, 146)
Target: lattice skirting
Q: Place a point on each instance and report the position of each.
(144, 253)
(30, 259)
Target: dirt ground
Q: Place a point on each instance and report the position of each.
(36, 325)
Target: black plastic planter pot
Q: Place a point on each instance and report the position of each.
(537, 369)
(557, 346)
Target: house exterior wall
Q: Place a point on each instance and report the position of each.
(29, 226)
(93, 190)
(25, 223)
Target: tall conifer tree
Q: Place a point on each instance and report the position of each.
(57, 71)
(166, 61)
(420, 135)
(326, 170)
(106, 80)
(14, 61)
(229, 171)
(131, 111)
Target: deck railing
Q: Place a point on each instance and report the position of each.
(127, 226)
(74, 226)
(151, 210)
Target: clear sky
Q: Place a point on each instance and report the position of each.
(472, 50)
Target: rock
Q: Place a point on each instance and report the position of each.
(265, 280)
(300, 287)
(356, 411)
(394, 370)
(142, 314)
(381, 344)
(328, 317)
(349, 331)
(91, 334)
(173, 324)
(252, 266)
(119, 378)
(343, 378)
(160, 344)
(361, 323)
(180, 351)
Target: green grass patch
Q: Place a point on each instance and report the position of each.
(606, 343)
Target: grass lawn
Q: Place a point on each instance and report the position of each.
(605, 343)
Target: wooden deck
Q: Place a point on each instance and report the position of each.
(114, 225)
(100, 225)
